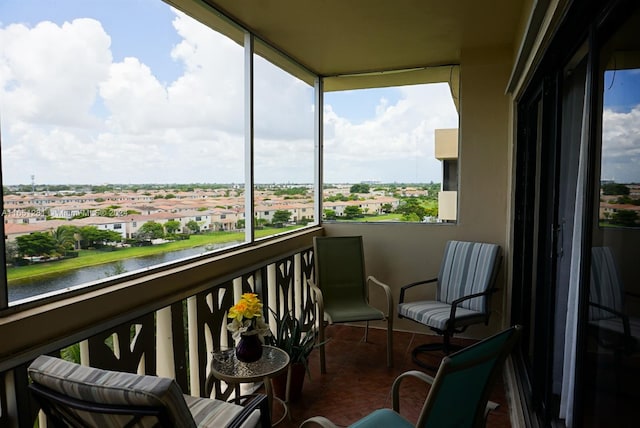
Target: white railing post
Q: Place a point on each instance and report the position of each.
(194, 370)
(164, 344)
(297, 283)
(84, 353)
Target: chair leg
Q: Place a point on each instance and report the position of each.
(366, 331)
(446, 347)
(323, 366)
(389, 343)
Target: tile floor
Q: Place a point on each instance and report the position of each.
(358, 381)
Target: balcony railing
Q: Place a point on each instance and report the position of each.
(176, 340)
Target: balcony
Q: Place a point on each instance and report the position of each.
(529, 146)
(170, 321)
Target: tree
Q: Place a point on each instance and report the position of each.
(291, 191)
(411, 217)
(330, 214)
(281, 217)
(387, 208)
(172, 226)
(625, 218)
(11, 250)
(193, 226)
(36, 244)
(91, 236)
(614, 189)
(65, 238)
(151, 230)
(352, 211)
(360, 188)
(412, 206)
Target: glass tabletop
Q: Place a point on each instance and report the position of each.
(227, 367)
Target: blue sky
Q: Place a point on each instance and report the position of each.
(131, 91)
(154, 54)
(622, 90)
(621, 126)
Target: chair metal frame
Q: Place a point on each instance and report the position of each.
(450, 365)
(55, 406)
(454, 325)
(367, 281)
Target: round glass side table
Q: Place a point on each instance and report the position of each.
(226, 367)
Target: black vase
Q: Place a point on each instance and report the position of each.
(249, 348)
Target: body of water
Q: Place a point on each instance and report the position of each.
(45, 284)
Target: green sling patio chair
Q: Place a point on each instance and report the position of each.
(72, 395)
(341, 289)
(464, 285)
(459, 393)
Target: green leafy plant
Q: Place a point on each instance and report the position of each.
(294, 339)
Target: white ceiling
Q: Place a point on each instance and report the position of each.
(334, 37)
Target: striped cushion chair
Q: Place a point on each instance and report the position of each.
(80, 396)
(612, 326)
(463, 287)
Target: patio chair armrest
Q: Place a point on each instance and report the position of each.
(395, 388)
(387, 292)
(253, 403)
(623, 317)
(318, 421)
(608, 309)
(632, 294)
(413, 284)
(455, 303)
(491, 405)
(317, 293)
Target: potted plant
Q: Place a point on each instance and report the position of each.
(291, 337)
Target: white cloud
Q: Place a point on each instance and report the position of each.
(621, 146)
(70, 114)
(397, 144)
(49, 73)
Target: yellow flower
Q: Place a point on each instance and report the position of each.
(247, 317)
(248, 307)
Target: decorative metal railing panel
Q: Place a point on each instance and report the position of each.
(179, 340)
(127, 348)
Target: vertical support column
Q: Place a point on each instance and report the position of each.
(165, 365)
(192, 316)
(273, 290)
(84, 353)
(249, 206)
(298, 294)
(318, 152)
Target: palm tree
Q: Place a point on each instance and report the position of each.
(65, 238)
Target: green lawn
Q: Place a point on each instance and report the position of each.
(97, 257)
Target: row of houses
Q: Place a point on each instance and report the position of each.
(127, 219)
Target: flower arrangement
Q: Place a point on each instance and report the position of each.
(247, 318)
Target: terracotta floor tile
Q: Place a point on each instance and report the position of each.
(358, 381)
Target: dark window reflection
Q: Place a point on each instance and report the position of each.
(612, 360)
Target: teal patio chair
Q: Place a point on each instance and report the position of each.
(341, 289)
(463, 288)
(459, 393)
(72, 395)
